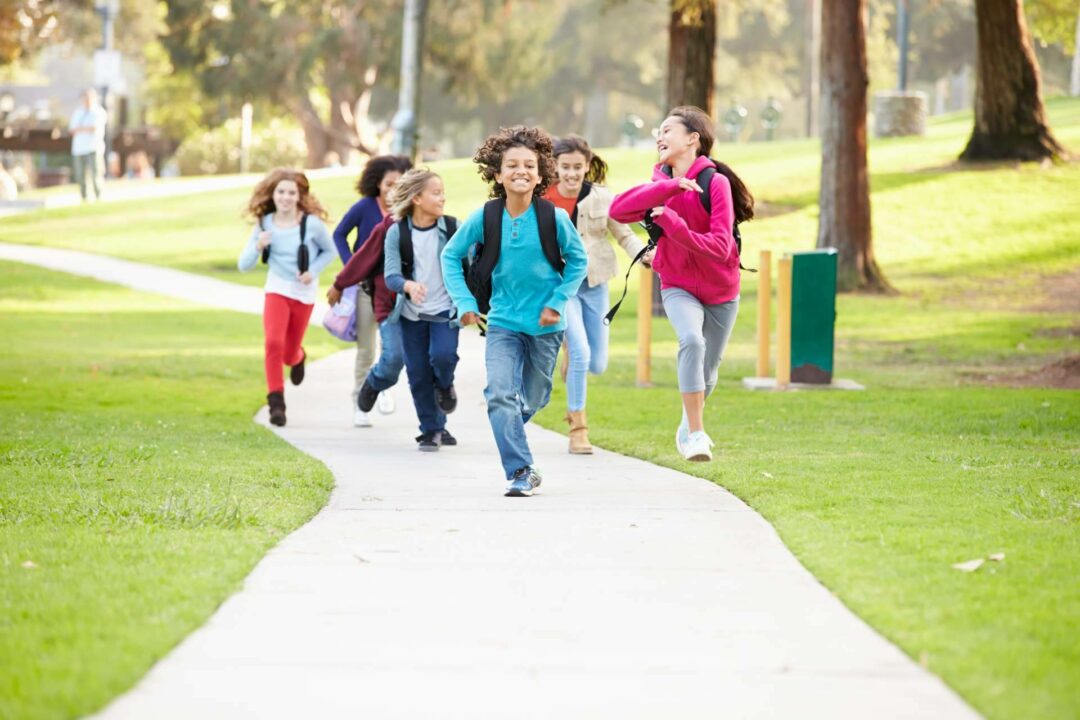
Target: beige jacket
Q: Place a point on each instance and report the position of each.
(593, 224)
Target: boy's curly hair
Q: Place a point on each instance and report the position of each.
(489, 156)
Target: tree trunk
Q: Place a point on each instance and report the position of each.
(691, 52)
(1010, 122)
(844, 222)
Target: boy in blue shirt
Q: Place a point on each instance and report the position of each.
(528, 294)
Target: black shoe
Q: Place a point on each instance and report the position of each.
(365, 399)
(445, 438)
(296, 372)
(276, 401)
(446, 399)
(428, 442)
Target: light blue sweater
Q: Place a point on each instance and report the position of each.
(283, 247)
(523, 283)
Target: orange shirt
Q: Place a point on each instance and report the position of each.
(567, 204)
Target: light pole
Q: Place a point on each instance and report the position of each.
(106, 61)
(406, 121)
(902, 25)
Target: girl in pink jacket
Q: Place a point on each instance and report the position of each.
(697, 257)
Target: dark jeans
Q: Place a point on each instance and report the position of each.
(430, 359)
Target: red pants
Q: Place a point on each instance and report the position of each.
(284, 322)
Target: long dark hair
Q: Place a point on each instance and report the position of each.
(575, 143)
(695, 119)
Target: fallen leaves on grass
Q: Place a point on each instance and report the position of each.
(970, 565)
(973, 565)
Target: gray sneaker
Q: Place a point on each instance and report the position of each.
(524, 483)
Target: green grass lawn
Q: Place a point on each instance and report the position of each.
(878, 492)
(131, 477)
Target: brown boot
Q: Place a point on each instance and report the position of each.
(276, 401)
(579, 433)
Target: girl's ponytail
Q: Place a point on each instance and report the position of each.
(597, 170)
(740, 195)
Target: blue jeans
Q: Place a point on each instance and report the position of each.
(586, 340)
(519, 369)
(430, 359)
(385, 372)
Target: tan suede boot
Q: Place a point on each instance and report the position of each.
(579, 433)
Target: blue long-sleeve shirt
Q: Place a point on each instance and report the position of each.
(524, 282)
(363, 216)
(281, 276)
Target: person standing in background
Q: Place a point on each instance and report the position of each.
(87, 128)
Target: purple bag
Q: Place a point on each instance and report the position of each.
(340, 320)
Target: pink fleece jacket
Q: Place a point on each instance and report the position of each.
(696, 253)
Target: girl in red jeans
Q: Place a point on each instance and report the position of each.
(291, 238)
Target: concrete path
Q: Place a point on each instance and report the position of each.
(624, 591)
(149, 278)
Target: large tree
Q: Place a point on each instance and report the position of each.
(1010, 122)
(845, 188)
(691, 54)
(317, 60)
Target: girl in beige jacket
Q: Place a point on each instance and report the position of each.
(581, 194)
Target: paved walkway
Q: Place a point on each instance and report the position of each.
(624, 591)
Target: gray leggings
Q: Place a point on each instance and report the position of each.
(703, 332)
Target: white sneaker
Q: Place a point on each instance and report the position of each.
(361, 419)
(385, 402)
(682, 435)
(697, 447)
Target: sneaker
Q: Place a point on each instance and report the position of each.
(446, 399)
(365, 399)
(428, 442)
(360, 419)
(445, 438)
(682, 435)
(524, 483)
(697, 447)
(386, 403)
(296, 372)
(276, 401)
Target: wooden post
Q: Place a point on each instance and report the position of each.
(783, 323)
(644, 328)
(764, 315)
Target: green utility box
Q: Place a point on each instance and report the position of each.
(813, 315)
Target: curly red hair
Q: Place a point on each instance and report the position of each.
(262, 199)
(489, 156)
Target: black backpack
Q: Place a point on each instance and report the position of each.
(406, 247)
(303, 258)
(479, 268)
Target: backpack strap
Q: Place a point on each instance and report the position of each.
(549, 233)
(451, 225)
(303, 256)
(488, 256)
(405, 247)
(266, 250)
(586, 188)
